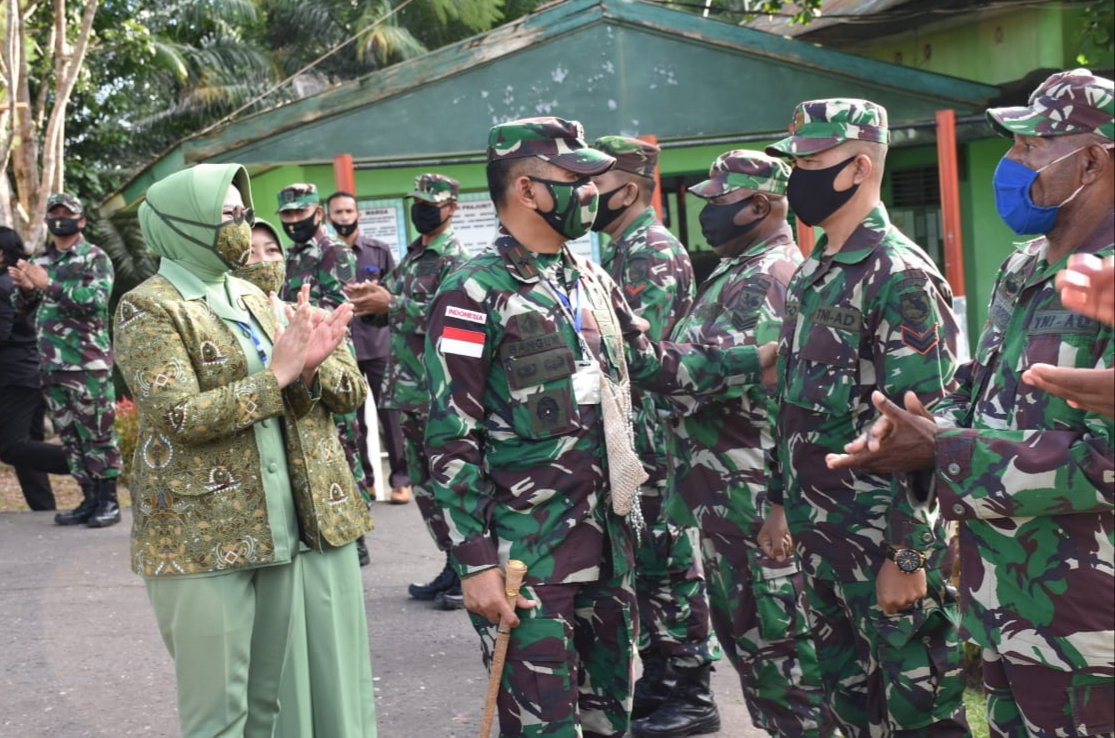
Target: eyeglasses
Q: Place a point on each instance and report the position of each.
(237, 215)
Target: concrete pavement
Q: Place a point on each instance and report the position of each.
(80, 654)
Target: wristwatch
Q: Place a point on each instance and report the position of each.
(908, 560)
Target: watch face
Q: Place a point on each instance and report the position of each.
(907, 560)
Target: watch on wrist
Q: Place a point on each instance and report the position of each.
(908, 560)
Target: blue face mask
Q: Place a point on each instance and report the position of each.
(1012, 197)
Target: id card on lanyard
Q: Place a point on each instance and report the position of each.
(588, 375)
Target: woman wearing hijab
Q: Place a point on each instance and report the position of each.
(327, 686)
(237, 456)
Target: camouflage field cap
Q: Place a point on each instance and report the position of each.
(67, 201)
(742, 169)
(435, 188)
(1075, 101)
(821, 124)
(558, 141)
(297, 196)
(631, 154)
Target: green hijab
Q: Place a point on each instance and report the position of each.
(180, 216)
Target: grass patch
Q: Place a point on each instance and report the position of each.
(977, 711)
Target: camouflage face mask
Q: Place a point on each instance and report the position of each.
(574, 206)
(269, 276)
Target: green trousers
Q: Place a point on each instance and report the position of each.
(326, 690)
(227, 634)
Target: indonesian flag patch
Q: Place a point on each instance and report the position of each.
(461, 342)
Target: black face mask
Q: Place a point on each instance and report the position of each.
(63, 226)
(301, 231)
(425, 216)
(718, 222)
(605, 215)
(811, 195)
(344, 231)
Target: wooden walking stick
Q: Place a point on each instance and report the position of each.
(516, 570)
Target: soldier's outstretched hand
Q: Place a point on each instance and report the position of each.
(484, 595)
(901, 440)
(1088, 287)
(1086, 389)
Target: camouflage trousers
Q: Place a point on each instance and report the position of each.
(759, 613)
(670, 590)
(83, 410)
(889, 675)
(418, 469)
(1026, 701)
(348, 429)
(569, 669)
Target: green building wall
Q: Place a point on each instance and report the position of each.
(993, 47)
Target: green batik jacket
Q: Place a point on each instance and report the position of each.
(1030, 477)
(877, 315)
(198, 498)
(653, 269)
(72, 317)
(413, 285)
(517, 464)
(720, 447)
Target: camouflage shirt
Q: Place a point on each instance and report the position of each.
(325, 264)
(876, 315)
(720, 447)
(72, 319)
(413, 284)
(657, 279)
(1030, 478)
(516, 463)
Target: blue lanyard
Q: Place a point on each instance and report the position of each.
(249, 332)
(574, 311)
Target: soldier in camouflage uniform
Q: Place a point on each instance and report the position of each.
(403, 304)
(519, 341)
(672, 697)
(69, 284)
(1029, 477)
(866, 311)
(326, 265)
(719, 449)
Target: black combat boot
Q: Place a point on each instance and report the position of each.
(108, 509)
(689, 710)
(450, 599)
(654, 686)
(442, 582)
(82, 512)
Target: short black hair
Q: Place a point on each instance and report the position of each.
(339, 193)
(502, 172)
(11, 245)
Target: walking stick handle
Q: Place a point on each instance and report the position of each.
(516, 570)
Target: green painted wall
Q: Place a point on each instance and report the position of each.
(991, 47)
(600, 75)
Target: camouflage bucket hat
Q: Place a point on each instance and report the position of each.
(435, 188)
(631, 154)
(1075, 101)
(560, 142)
(743, 169)
(297, 196)
(67, 201)
(821, 124)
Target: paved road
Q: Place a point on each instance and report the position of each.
(80, 654)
